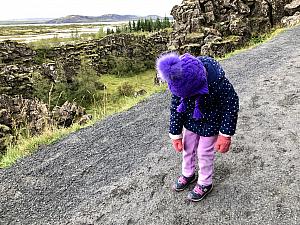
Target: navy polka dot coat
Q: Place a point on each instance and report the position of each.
(219, 107)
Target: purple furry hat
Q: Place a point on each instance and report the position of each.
(186, 77)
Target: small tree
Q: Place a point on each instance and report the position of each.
(158, 24)
(143, 28)
(130, 27)
(138, 25)
(118, 30)
(151, 25)
(166, 23)
(133, 26)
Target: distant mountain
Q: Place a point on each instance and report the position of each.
(33, 19)
(103, 18)
(24, 21)
(73, 19)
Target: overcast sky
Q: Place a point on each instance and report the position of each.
(19, 9)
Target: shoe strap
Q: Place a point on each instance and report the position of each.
(182, 180)
(198, 190)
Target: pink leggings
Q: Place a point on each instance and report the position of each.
(204, 148)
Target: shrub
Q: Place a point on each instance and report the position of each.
(85, 88)
(126, 89)
(124, 66)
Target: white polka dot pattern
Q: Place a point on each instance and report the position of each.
(219, 108)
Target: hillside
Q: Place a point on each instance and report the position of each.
(103, 18)
(120, 170)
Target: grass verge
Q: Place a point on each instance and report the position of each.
(27, 145)
(254, 41)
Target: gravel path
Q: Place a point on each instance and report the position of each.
(120, 170)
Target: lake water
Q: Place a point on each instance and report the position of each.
(86, 28)
(62, 24)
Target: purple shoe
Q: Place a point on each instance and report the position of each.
(199, 192)
(182, 182)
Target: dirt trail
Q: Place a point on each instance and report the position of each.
(120, 171)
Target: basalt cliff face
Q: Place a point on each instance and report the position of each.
(215, 27)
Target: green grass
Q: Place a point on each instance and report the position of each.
(54, 42)
(253, 42)
(26, 145)
(112, 103)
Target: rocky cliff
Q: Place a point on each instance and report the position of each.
(104, 54)
(21, 68)
(16, 66)
(214, 27)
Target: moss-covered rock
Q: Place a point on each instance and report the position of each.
(244, 18)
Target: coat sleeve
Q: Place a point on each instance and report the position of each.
(176, 119)
(229, 101)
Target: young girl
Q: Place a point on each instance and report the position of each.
(204, 112)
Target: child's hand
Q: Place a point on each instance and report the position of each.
(177, 144)
(223, 143)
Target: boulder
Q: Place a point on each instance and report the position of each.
(16, 67)
(49, 70)
(69, 113)
(291, 20)
(19, 116)
(140, 92)
(292, 8)
(13, 52)
(16, 79)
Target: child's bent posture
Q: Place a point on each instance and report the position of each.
(204, 112)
